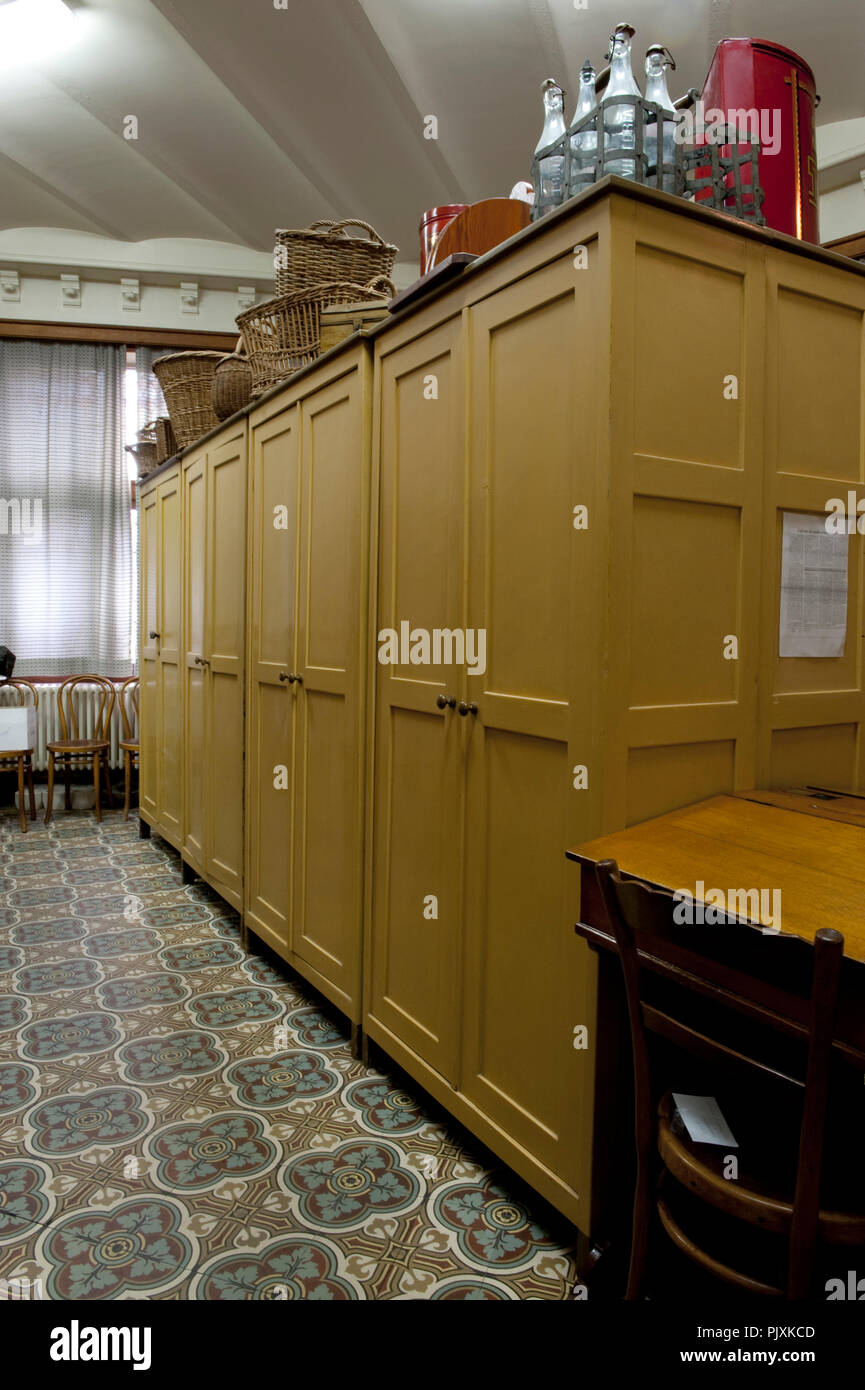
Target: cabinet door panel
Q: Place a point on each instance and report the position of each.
(149, 718)
(224, 636)
(274, 485)
(528, 982)
(170, 790)
(416, 907)
(327, 800)
(195, 537)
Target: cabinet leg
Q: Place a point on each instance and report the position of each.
(244, 938)
(143, 829)
(188, 873)
(358, 1042)
(364, 1047)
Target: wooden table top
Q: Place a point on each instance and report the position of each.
(815, 855)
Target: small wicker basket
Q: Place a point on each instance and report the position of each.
(145, 452)
(284, 334)
(232, 384)
(186, 379)
(166, 444)
(324, 252)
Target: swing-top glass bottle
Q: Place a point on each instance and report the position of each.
(620, 118)
(551, 171)
(584, 143)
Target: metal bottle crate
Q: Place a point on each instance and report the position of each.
(702, 173)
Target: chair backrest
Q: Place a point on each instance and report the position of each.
(793, 990)
(22, 687)
(68, 705)
(127, 699)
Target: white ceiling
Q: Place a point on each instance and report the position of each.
(252, 117)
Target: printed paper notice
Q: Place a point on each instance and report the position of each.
(813, 588)
(704, 1120)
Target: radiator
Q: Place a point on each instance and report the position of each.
(86, 699)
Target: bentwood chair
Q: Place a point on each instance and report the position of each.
(75, 751)
(127, 699)
(21, 758)
(755, 1215)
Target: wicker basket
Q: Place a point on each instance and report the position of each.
(232, 384)
(325, 253)
(186, 379)
(145, 451)
(166, 444)
(284, 334)
(145, 457)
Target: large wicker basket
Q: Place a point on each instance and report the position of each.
(186, 379)
(284, 334)
(324, 252)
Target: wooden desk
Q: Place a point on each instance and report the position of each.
(814, 854)
(809, 845)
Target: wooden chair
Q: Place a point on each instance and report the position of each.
(74, 750)
(21, 758)
(127, 699)
(768, 1065)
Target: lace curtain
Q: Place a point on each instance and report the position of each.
(66, 583)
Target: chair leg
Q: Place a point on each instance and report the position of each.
(127, 782)
(108, 790)
(49, 804)
(31, 788)
(96, 797)
(67, 778)
(21, 807)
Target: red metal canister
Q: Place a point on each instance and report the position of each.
(756, 76)
(432, 225)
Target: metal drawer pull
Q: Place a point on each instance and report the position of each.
(284, 676)
(446, 701)
(293, 678)
(464, 709)
(201, 661)
(154, 635)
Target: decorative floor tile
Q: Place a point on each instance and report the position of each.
(182, 1120)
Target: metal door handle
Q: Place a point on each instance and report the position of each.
(464, 709)
(446, 701)
(154, 635)
(293, 678)
(284, 676)
(201, 661)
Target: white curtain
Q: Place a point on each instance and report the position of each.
(66, 589)
(151, 402)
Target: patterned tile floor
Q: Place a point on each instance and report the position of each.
(181, 1120)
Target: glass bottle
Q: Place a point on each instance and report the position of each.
(585, 143)
(620, 118)
(657, 59)
(551, 171)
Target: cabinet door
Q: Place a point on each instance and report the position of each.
(148, 590)
(195, 537)
(224, 641)
(416, 908)
(170, 786)
(274, 508)
(528, 980)
(327, 804)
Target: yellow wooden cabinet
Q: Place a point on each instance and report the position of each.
(585, 447)
(307, 657)
(161, 743)
(214, 613)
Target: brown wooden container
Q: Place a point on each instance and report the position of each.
(339, 323)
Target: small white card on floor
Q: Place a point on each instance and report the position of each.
(702, 1118)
